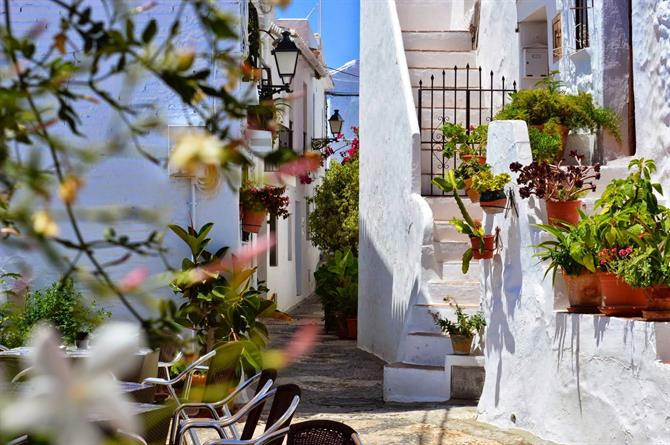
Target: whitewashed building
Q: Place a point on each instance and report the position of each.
(125, 179)
(288, 267)
(567, 378)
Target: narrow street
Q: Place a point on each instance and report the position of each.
(340, 382)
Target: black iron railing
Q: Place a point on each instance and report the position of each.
(459, 96)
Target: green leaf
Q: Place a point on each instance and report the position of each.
(149, 31)
(467, 257)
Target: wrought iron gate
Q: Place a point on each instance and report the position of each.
(459, 97)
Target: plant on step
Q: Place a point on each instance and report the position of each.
(549, 102)
(572, 250)
(465, 325)
(556, 182)
(458, 139)
(490, 186)
(337, 287)
(467, 226)
(545, 144)
(219, 304)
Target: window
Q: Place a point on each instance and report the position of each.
(557, 40)
(307, 210)
(581, 24)
(275, 246)
(289, 243)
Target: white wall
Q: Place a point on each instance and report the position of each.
(307, 111)
(393, 217)
(124, 179)
(579, 379)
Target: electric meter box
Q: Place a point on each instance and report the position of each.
(535, 62)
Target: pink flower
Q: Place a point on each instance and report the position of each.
(134, 279)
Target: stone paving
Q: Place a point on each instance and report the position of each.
(341, 382)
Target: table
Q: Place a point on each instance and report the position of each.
(146, 362)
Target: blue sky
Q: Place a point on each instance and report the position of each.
(340, 26)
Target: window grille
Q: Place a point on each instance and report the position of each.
(581, 9)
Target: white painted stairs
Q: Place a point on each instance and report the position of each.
(436, 38)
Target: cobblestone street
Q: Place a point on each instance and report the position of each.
(341, 382)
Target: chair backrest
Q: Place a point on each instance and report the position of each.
(321, 432)
(282, 400)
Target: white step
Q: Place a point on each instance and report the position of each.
(439, 59)
(410, 383)
(426, 347)
(452, 270)
(461, 78)
(460, 293)
(437, 40)
(447, 208)
(422, 319)
(450, 250)
(443, 230)
(434, 16)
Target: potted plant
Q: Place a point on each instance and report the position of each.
(482, 245)
(549, 105)
(631, 226)
(469, 144)
(492, 190)
(462, 331)
(257, 202)
(572, 251)
(465, 171)
(560, 186)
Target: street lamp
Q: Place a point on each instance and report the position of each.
(335, 122)
(286, 54)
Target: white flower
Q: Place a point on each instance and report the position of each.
(62, 400)
(195, 149)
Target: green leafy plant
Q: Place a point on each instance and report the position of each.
(459, 140)
(548, 102)
(465, 325)
(545, 144)
(220, 304)
(266, 198)
(337, 286)
(333, 220)
(572, 249)
(61, 305)
(489, 185)
(469, 168)
(467, 226)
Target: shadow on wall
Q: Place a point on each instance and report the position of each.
(380, 322)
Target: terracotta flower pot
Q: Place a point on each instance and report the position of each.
(466, 158)
(472, 194)
(347, 329)
(489, 247)
(658, 303)
(583, 292)
(252, 220)
(461, 344)
(563, 211)
(619, 298)
(494, 206)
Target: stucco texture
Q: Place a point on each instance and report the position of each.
(393, 217)
(578, 379)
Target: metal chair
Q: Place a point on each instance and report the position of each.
(285, 399)
(265, 379)
(322, 432)
(187, 377)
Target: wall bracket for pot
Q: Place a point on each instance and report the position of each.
(511, 203)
